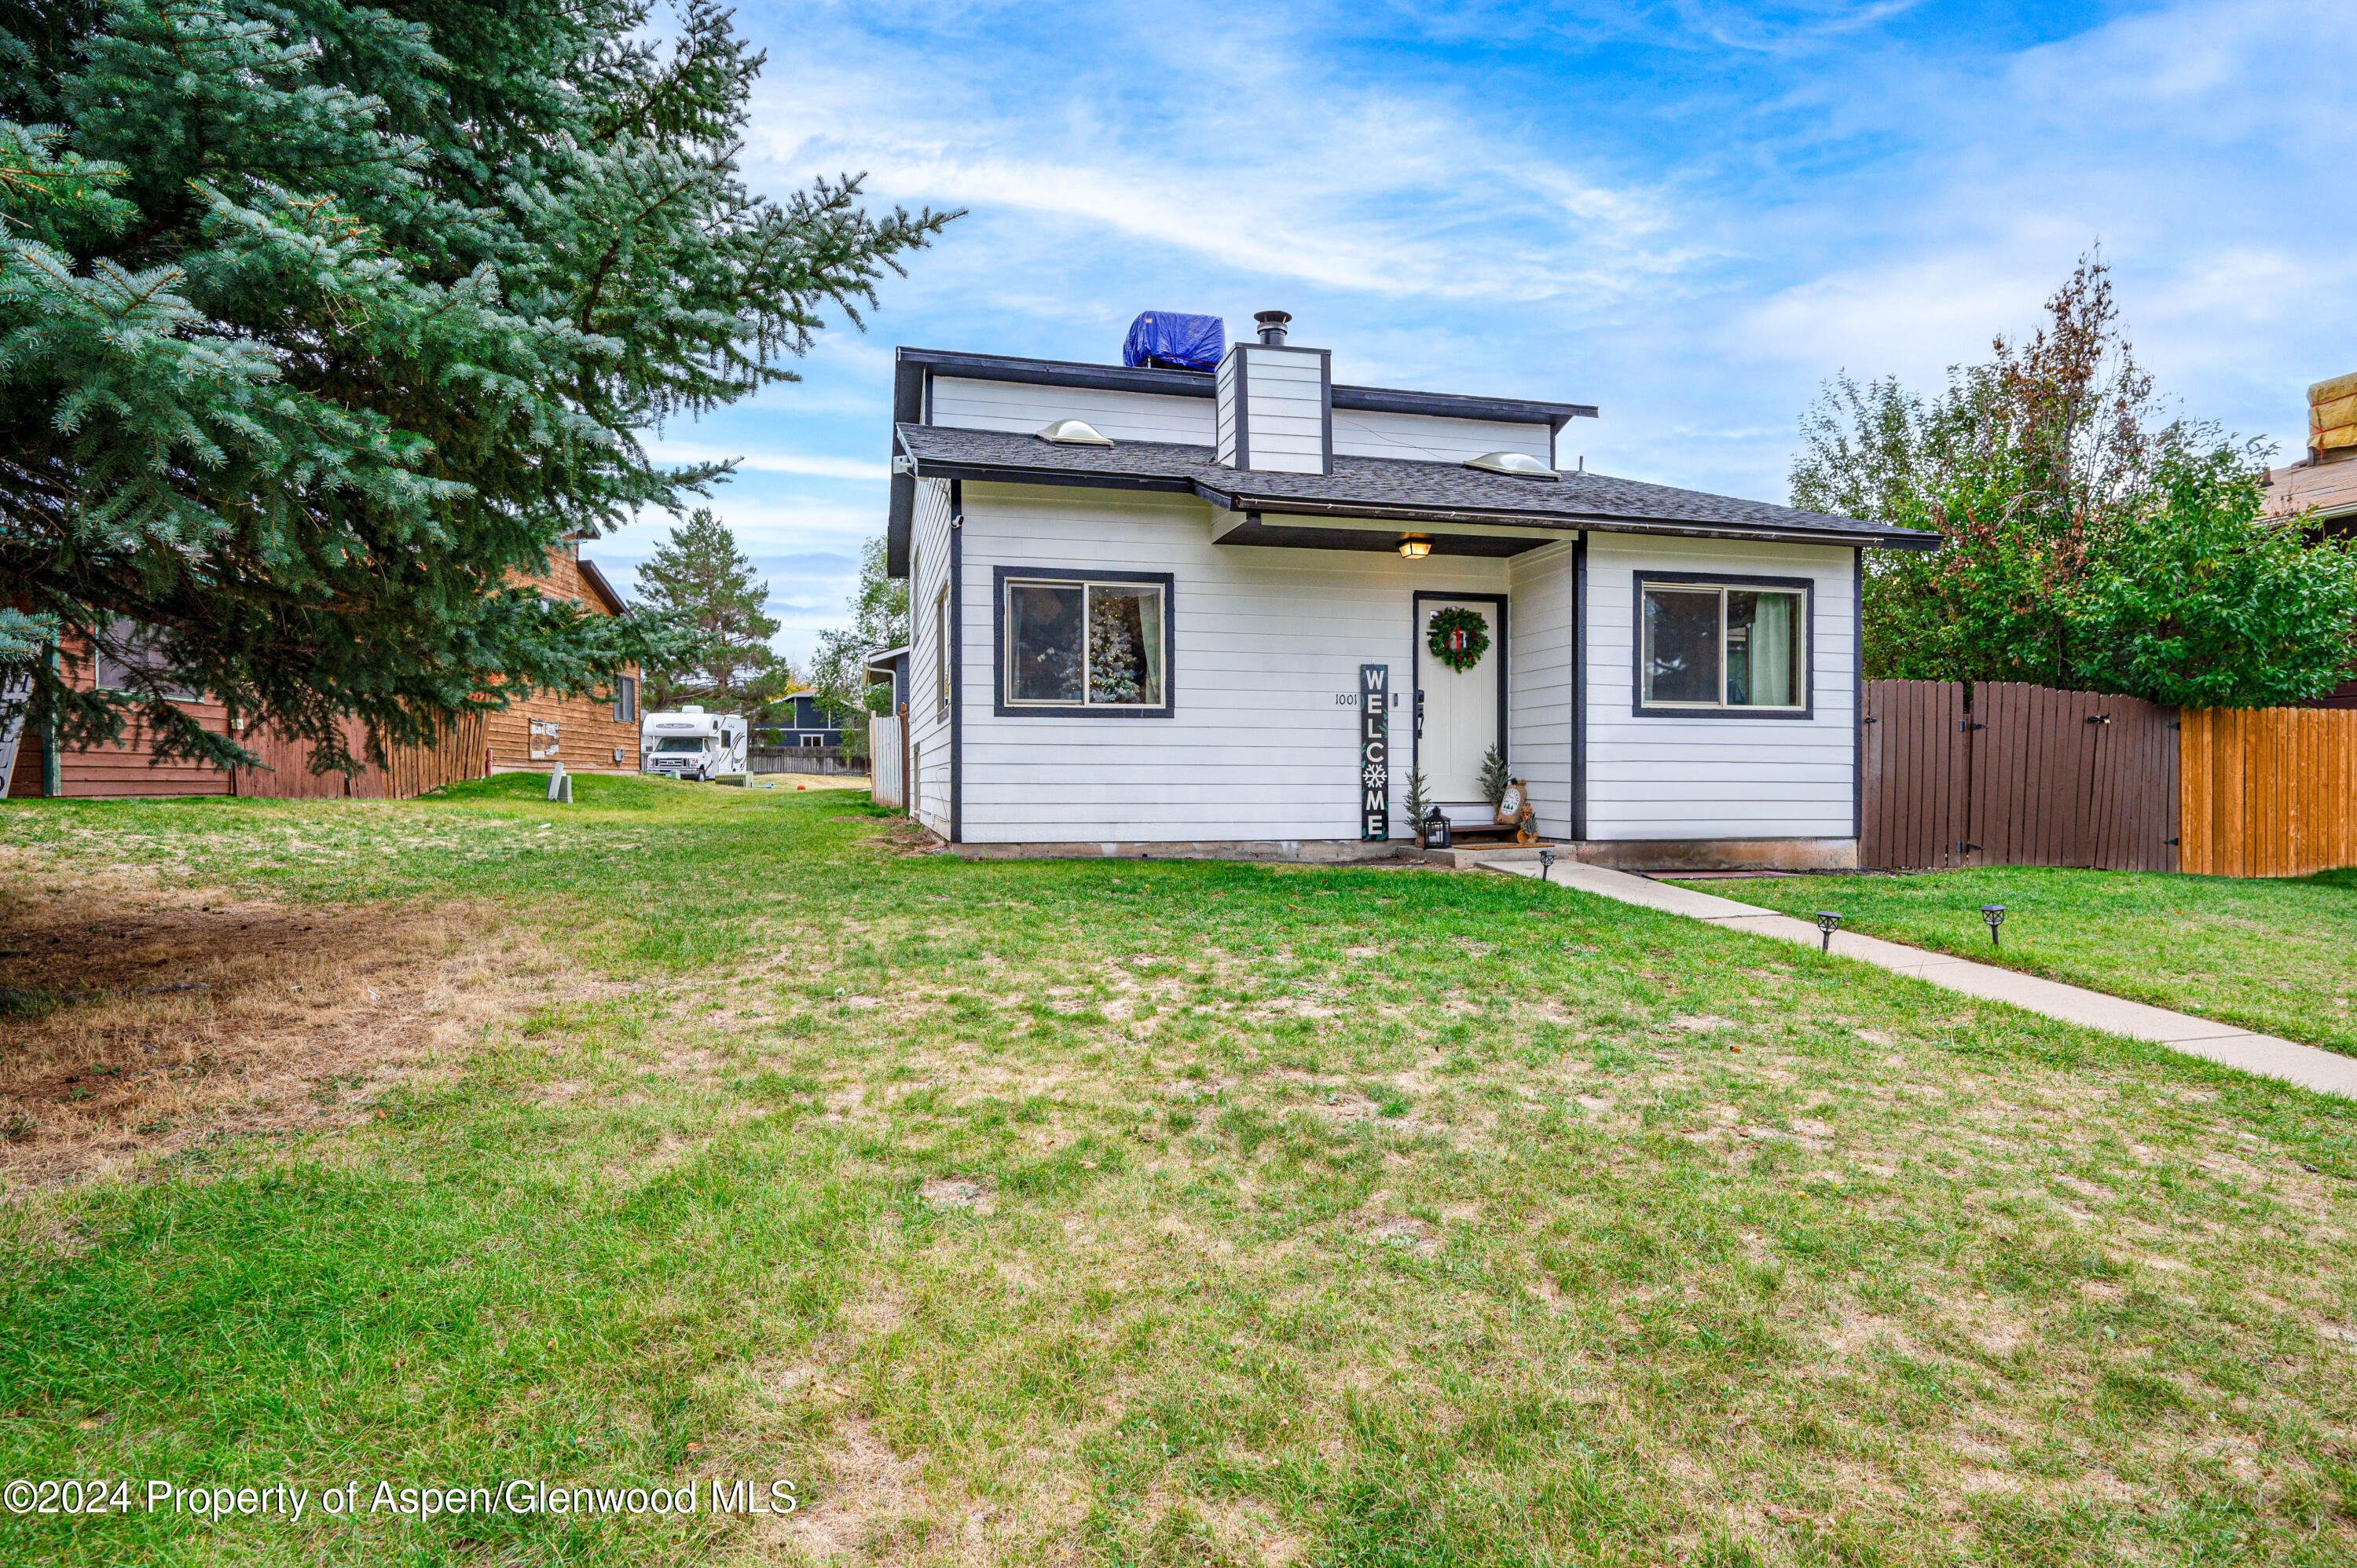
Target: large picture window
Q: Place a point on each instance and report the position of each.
(1086, 644)
(1735, 646)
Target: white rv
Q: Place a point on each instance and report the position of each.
(693, 744)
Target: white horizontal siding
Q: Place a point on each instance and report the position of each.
(1361, 433)
(1118, 416)
(1257, 748)
(929, 732)
(1541, 599)
(1718, 778)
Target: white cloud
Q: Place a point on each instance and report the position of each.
(759, 462)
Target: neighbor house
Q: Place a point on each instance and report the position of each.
(2321, 488)
(587, 734)
(1162, 610)
(803, 721)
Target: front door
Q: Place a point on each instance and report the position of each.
(1457, 690)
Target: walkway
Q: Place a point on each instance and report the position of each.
(2265, 1055)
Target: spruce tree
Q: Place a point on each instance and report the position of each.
(703, 588)
(317, 320)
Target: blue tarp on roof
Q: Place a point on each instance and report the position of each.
(1166, 337)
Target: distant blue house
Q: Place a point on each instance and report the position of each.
(807, 723)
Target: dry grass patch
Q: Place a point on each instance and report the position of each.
(214, 1015)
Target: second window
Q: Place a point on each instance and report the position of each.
(1711, 645)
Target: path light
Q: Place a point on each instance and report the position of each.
(1995, 915)
(1828, 922)
(1547, 863)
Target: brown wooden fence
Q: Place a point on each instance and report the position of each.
(2267, 790)
(2015, 775)
(409, 771)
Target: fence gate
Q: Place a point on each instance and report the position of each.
(2017, 775)
(1916, 755)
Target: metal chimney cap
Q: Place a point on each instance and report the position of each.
(1271, 325)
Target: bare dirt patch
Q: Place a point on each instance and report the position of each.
(210, 1014)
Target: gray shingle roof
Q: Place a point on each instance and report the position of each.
(1384, 486)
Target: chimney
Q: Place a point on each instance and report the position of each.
(1277, 403)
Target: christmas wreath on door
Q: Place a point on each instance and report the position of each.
(1458, 637)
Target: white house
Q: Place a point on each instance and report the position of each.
(1229, 613)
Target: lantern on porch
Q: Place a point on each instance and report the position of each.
(1436, 830)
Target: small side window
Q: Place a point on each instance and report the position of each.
(942, 652)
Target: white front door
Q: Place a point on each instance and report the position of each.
(1461, 706)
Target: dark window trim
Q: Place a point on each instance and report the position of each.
(1857, 694)
(1415, 671)
(1579, 690)
(957, 661)
(1001, 576)
(1638, 581)
(626, 699)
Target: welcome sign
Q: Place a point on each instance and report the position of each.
(1374, 752)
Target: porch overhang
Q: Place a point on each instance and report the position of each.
(1292, 530)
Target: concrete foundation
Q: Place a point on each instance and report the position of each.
(1630, 855)
(1311, 852)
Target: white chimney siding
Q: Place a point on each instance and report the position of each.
(1276, 409)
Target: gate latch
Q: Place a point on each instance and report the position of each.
(1963, 725)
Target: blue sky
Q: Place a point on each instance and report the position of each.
(1689, 213)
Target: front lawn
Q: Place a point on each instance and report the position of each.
(1105, 1212)
(2277, 956)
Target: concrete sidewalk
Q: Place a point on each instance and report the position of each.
(2224, 1043)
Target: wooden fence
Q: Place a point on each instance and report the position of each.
(409, 771)
(2001, 774)
(2267, 790)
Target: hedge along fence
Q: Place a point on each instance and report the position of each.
(2266, 791)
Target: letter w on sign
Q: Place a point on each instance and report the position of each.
(1374, 752)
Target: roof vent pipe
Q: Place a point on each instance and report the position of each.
(1271, 325)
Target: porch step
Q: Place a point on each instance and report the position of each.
(1465, 857)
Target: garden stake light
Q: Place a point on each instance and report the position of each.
(1995, 915)
(1547, 863)
(1826, 922)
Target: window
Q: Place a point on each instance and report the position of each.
(626, 700)
(941, 653)
(814, 740)
(126, 651)
(1085, 644)
(677, 743)
(1735, 644)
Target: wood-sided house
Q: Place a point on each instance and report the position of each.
(1231, 612)
(588, 733)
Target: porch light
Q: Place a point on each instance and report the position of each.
(1072, 433)
(1828, 922)
(1521, 465)
(1995, 915)
(1414, 547)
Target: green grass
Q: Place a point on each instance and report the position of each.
(2277, 956)
(1120, 1212)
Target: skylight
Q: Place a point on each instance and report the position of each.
(1521, 465)
(1072, 433)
